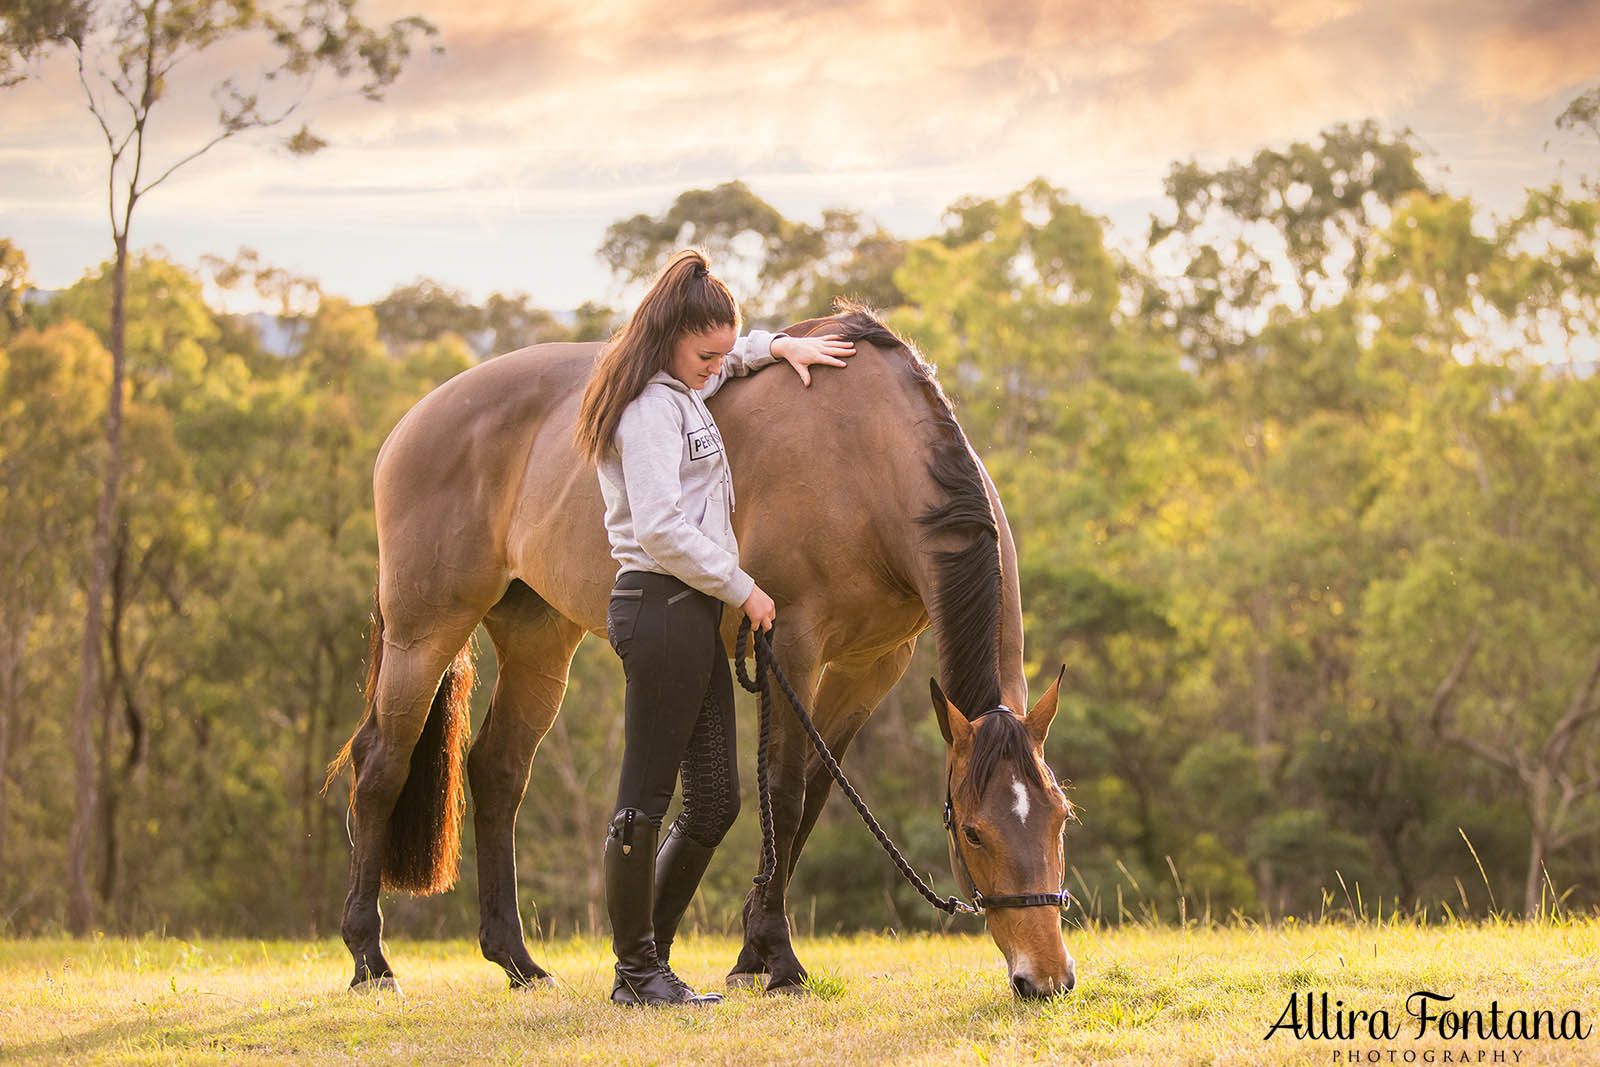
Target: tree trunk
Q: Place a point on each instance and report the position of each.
(110, 788)
(324, 827)
(106, 820)
(1532, 898)
(10, 698)
(80, 902)
(1541, 836)
(1261, 727)
(310, 887)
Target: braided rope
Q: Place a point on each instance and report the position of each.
(765, 661)
(769, 848)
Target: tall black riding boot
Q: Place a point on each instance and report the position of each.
(680, 864)
(630, 860)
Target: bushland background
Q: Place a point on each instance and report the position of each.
(1305, 480)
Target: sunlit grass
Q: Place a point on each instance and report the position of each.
(1145, 996)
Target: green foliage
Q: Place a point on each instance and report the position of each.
(171, 332)
(425, 310)
(713, 219)
(141, 47)
(128, 56)
(1308, 514)
(787, 270)
(13, 286)
(242, 577)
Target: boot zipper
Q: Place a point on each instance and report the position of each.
(627, 832)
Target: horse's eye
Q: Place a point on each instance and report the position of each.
(971, 835)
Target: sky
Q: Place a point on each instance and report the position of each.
(498, 164)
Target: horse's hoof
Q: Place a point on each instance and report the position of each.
(387, 984)
(791, 988)
(544, 981)
(744, 980)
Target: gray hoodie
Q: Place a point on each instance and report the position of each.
(665, 481)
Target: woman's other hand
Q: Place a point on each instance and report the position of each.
(762, 611)
(829, 350)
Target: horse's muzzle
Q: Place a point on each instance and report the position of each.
(1030, 988)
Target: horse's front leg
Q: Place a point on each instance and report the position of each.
(767, 947)
(846, 697)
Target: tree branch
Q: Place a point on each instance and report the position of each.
(147, 98)
(1498, 756)
(1584, 788)
(1582, 562)
(191, 157)
(94, 106)
(1582, 708)
(228, 132)
(1437, 715)
(1446, 690)
(1575, 834)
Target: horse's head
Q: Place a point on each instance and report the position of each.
(1006, 820)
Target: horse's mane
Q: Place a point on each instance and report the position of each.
(966, 618)
(999, 740)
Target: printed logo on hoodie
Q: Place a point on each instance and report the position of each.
(704, 442)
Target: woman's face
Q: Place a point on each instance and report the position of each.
(697, 356)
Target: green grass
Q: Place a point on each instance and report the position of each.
(1145, 996)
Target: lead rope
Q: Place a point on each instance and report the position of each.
(769, 858)
(769, 848)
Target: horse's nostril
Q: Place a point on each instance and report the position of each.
(1023, 987)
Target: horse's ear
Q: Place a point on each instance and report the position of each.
(952, 723)
(1044, 710)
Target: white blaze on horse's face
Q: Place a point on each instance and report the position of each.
(1006, 834)
(1020, 808)
(1021, 823)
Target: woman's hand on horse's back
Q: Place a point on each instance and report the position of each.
(762, 611)
(829, 350)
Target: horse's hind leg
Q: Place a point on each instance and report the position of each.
(408, 678)
(534, 646)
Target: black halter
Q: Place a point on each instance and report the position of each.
(1062, 898)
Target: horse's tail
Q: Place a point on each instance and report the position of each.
(422, 851)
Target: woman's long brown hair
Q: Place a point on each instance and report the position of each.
(684, 298)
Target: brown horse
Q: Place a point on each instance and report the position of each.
(862, 511)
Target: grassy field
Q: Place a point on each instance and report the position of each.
(1145, 996)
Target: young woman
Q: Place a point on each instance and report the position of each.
(669, 503)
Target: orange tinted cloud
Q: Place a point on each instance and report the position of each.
(1544, 46)
(548, 111)
(892, 83)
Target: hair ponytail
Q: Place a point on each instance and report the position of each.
(685, 297)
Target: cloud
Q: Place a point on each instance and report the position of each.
(886, 84)
(1544, 47)
(542, 112)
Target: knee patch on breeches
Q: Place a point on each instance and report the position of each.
(710, 779)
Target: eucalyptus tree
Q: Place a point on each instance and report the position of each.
(1080, 414)
(786, 269)
(1483, 624)
(13, 287)
(1261, 264)
(134, 60)
(52, 391)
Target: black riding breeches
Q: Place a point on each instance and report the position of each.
(679, 705)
